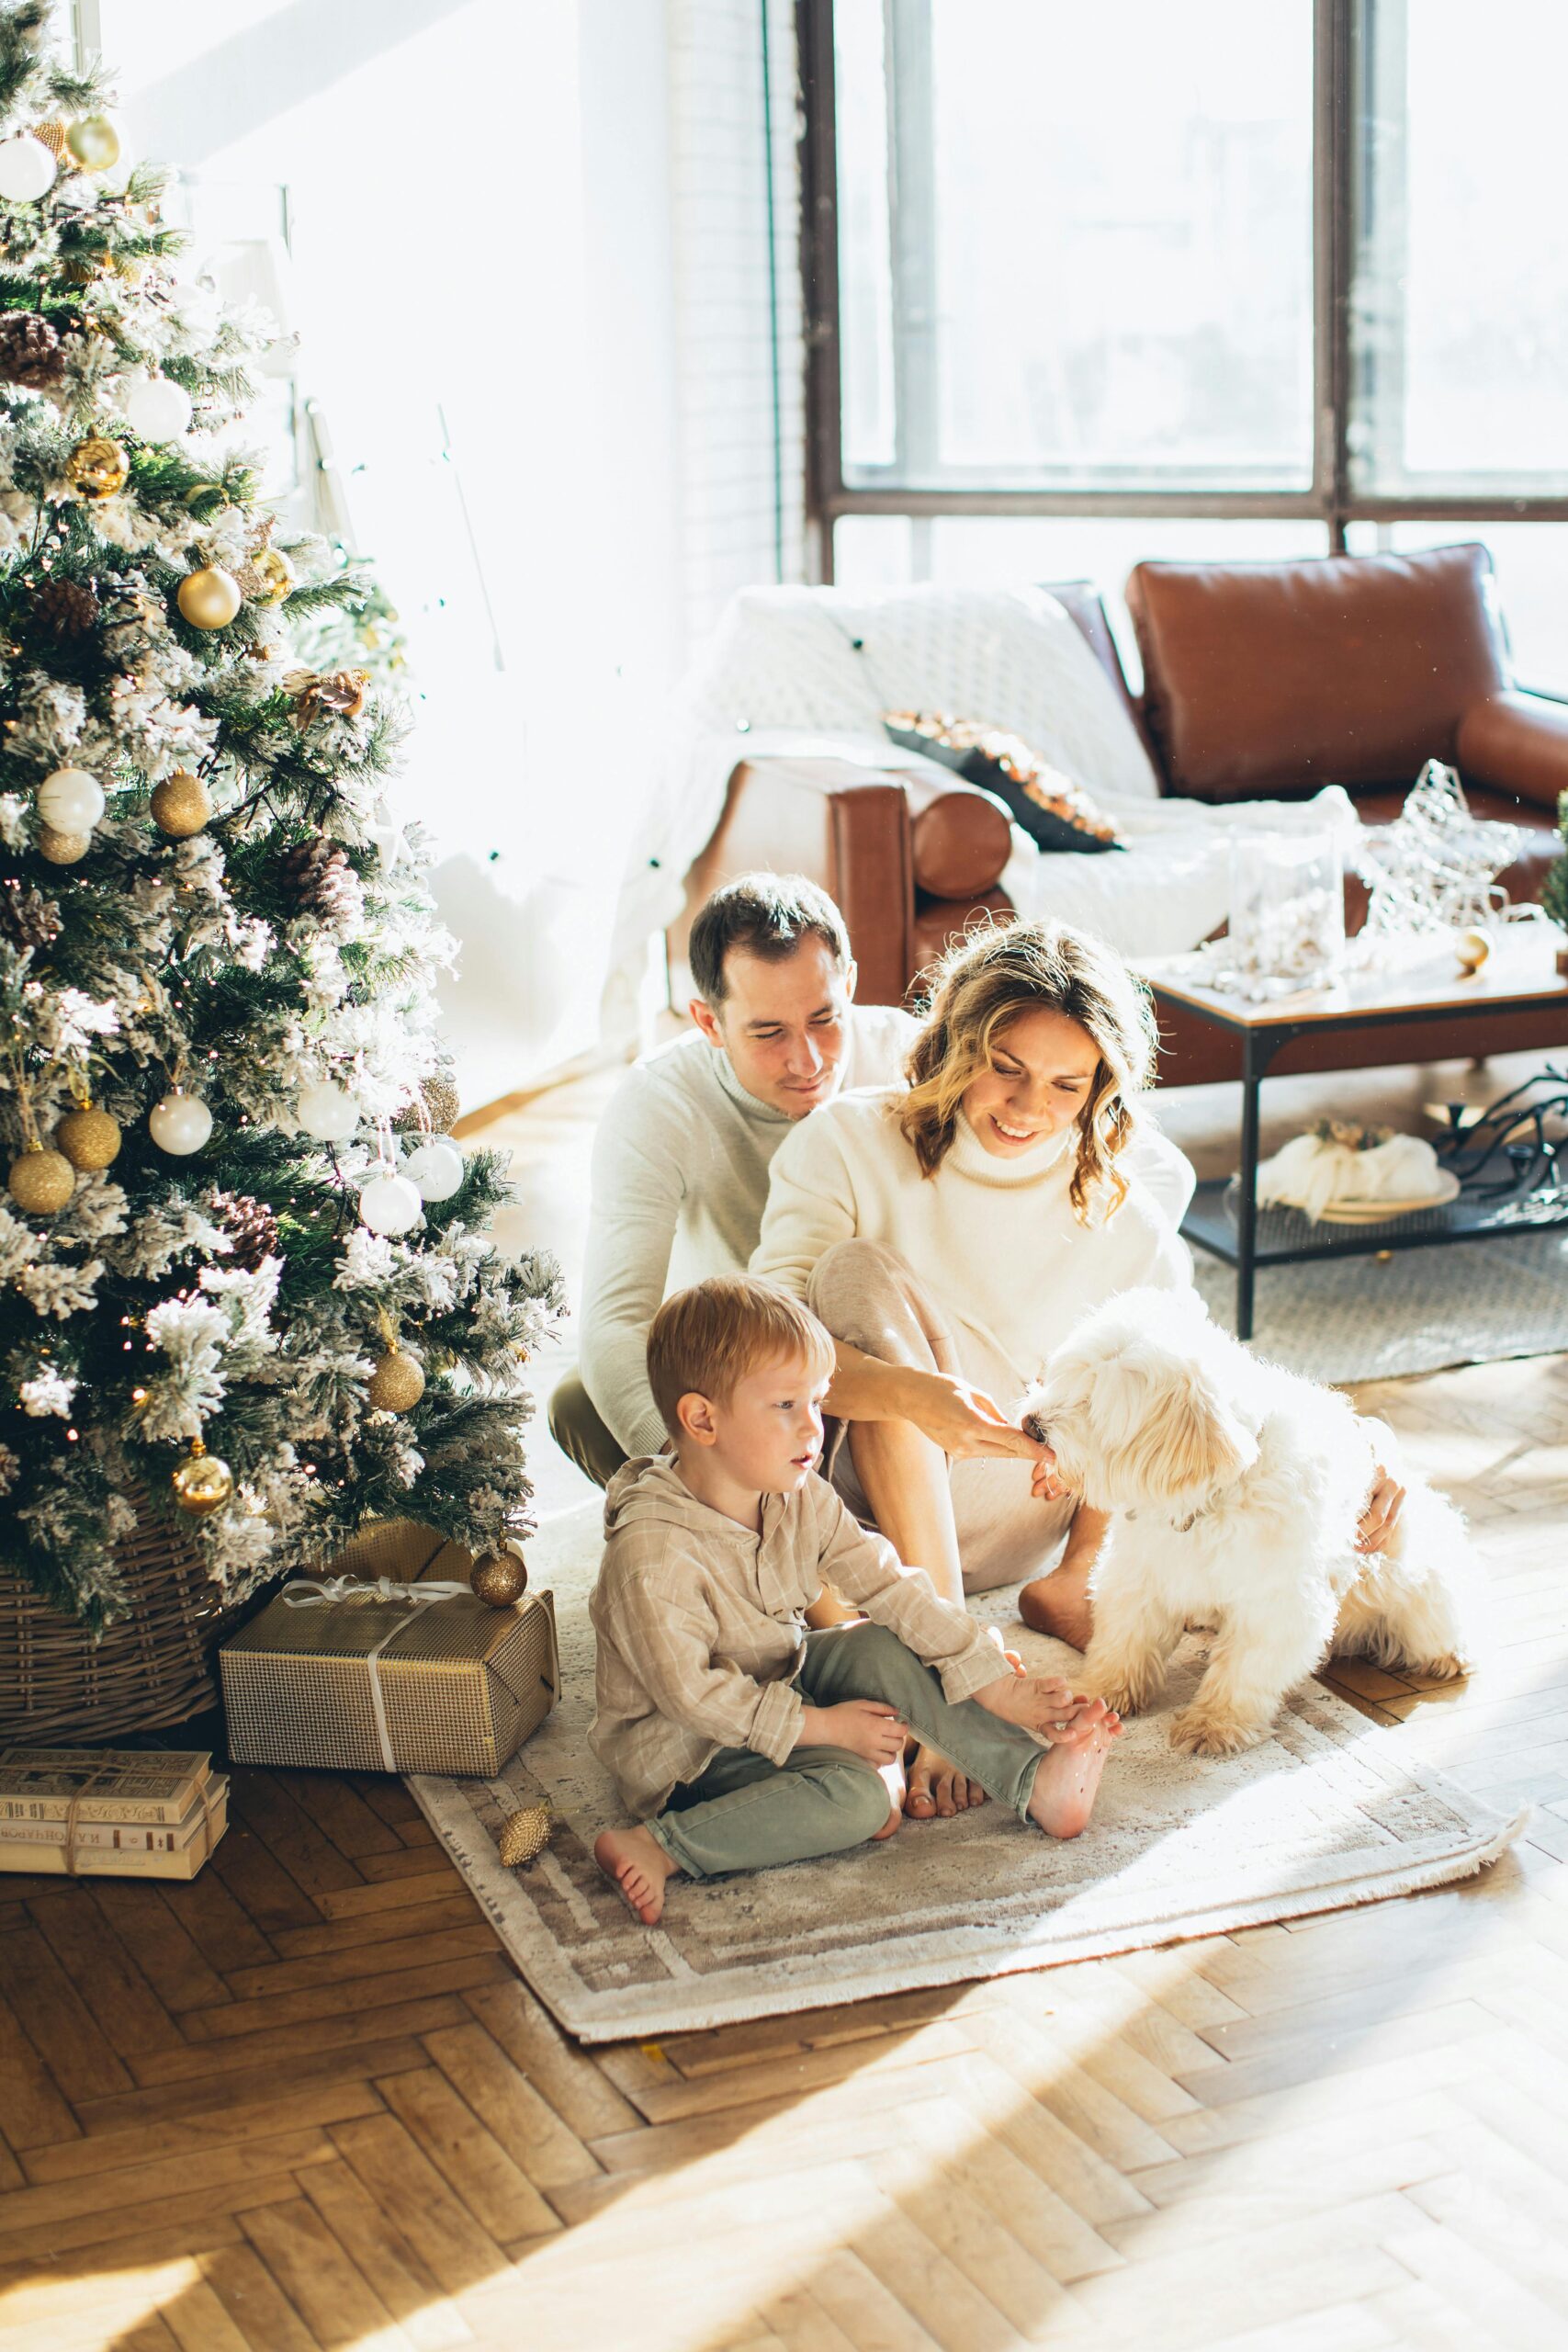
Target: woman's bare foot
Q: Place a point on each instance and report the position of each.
(937, 1787)
(1059, 1605)
(1068, 1779)
(639, 1866)
(892, 1776)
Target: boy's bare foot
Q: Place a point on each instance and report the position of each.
(1059, 1605)
(892, 1777)
(937, 1787)
(639, 1866)
(1068, 1778)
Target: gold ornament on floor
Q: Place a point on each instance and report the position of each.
(62, 849)
(274, 576)
(181, 805)
(525, 1835)
(89, 1137)
(97, 467)
(202, 1483)
(397, 1384)
(209, 598)
(41, 1182)
(1473, 948)
(500, 1580)
(93, 142)
(339, 693)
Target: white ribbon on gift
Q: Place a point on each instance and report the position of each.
(320, 1592)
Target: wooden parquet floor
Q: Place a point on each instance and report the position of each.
(304, 2104)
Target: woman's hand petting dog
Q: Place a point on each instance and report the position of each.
(1380, 1517)
(1048, 1707)
(963, 1420)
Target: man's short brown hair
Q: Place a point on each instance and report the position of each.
(706, 1339)
(760, 914)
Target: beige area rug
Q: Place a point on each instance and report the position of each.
(1331, 1812)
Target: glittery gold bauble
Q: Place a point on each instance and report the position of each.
(275, 574)
(525, 1835)
(52, 136)
(62, 849)
(202, 1483)
(500, 1580)
(93, 142)
(209, 598)
(441, 1107)
(41, 1182)
(89, 1137)
(97, 467)
(181, 805)
(397, 1384)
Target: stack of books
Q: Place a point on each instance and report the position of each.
(123, 1811)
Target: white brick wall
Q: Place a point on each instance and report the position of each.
(727, 504)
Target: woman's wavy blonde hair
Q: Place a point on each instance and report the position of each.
(984, 983)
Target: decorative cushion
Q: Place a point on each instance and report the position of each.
(1057, 813)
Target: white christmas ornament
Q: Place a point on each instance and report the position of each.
(436, 1167)
(154, 408)
(390, 1205)
(71, 800)
(326, 1112)
(180, 1123)
(195, 304)
(27, 169)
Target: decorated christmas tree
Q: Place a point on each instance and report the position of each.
(246, 1286)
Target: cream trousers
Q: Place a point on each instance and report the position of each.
(867, 1295)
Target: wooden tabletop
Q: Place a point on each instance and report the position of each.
(1521, 970)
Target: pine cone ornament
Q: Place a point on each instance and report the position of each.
(65, 609)
(30, 350)
(251, 1226)
(317, 874)
(27, 918)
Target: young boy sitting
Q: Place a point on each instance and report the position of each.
(736, 1735)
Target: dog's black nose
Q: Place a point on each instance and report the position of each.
(1034, 1426)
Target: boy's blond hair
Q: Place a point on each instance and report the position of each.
(706, 1339)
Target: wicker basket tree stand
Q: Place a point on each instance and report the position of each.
(156, 1664)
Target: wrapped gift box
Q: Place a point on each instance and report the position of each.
(391, 1664)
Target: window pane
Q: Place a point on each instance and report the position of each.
(874, 552)
(1460, 334)
(1101, 242)
(865, 281)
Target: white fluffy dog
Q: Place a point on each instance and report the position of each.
(1235, 1490)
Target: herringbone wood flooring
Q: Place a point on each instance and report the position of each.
(304, 2103)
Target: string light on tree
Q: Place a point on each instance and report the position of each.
(180, 1123)
(211, 597)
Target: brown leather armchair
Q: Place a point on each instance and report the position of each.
(1262, 681)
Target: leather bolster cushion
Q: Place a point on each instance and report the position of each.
(1518, 744)
(960, 842)
(1271, 679)
(940, 921)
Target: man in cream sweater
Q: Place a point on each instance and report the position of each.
(680, 1161)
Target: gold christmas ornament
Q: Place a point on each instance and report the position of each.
(41, 1182)
(397, 1384)
(500, 1581)
(181, 805)
(202, 1483)
(441, 1107)
(1473, 947)
(93, 142)
(525, 1835)
(89, 1137)
(209, 598)
(339, 692)
(274, 576)
(52, 136)
(62, 849)
(97, 467)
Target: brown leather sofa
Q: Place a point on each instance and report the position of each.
(1262, 681)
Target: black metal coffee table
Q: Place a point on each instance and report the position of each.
(1224, 1217)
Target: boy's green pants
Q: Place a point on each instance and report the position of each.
(743, 1813)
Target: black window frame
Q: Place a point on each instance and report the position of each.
(1345, 49)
